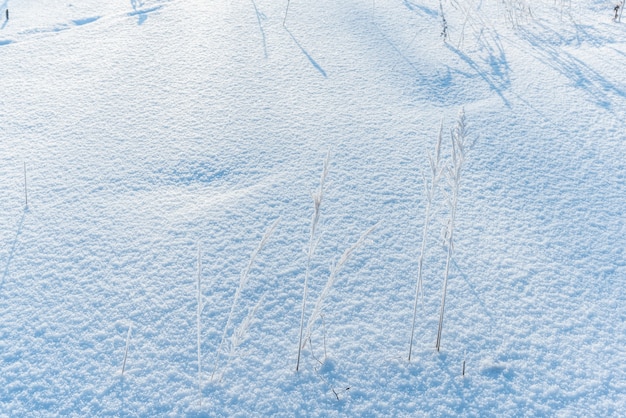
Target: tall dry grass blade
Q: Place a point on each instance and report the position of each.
(458, 136)
(317, 203)
(239, 335)
(242, 283)
(126, 349)
(430, 189)
(199, 324)
(25, 188)
(286, 11)
(332, 279)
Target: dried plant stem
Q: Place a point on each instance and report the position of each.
(445, 288)
(25, 188)
(239, 335)
(242, 283)
(436, 169)
(126, 349)
(199, 324)
(286, 10)
(324, 327)
(317, 203)
(454, 179)
(331, 280)
(464, 358)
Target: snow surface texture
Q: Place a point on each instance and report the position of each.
(150, 129)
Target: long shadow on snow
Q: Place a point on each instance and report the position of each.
(13, 247)
(496, 75)
(311, 60)
(423, 9)
(142, 14)
(472, 289)
(496, 58)
(488, 59)
(85, 21)
(400, 53)
(260, 16)
(484, 75)
(582, 75)
(583, 34)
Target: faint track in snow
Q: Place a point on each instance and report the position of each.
(61, 26)
(13, 247)
(139, 11)
(398, 50)
(306, 54)
(85, 21)
(38, 32)
(260, 16)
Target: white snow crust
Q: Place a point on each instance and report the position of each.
(151, 131)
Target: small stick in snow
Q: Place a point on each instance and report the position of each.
(242, 283)
(286, 10)
(464, 357)
(25, 187)
(324, 325)
(126, 350)
(430, 189)
(458, 137)
(199, 324)
(317, 203)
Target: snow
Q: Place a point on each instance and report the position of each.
(150, 129)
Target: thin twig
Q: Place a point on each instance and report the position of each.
(436, 170)
(199, 325)
(242, 283)
(286, 10)
(126, 350)
(454, 177)
(317, 203)
(324, 326)
(333, 277)
(25, 188)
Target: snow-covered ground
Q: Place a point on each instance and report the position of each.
(154, 131)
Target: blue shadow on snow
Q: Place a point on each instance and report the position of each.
(142, 14)
(311, 60)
